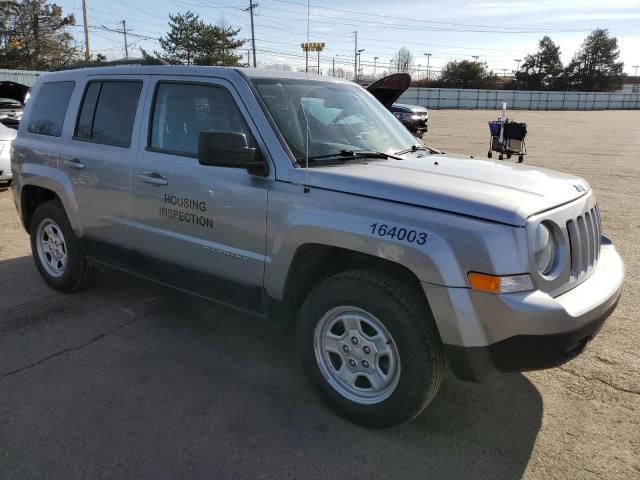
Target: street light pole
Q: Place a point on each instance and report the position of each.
(390, 65)
(374, 66)
(358, 63)
(518, 64)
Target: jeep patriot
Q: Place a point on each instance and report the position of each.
(303, 200)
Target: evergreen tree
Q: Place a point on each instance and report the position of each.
(180, 44)
(191, 41)
(216, 46)
(466, 74)
(543, 69)
(595, 67)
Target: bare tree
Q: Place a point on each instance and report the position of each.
(403, 60)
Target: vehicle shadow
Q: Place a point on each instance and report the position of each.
(194, 390)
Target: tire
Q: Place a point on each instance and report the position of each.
(489, 155)
(407, 346)
(520, 158)
(60, 259)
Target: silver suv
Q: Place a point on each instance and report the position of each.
(303, 200)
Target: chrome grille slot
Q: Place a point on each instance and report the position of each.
(584, 242)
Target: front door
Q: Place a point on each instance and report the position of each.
(197, 227)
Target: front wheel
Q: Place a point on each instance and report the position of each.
(57, 253)
(370, 347)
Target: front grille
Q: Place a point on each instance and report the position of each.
(584, 242)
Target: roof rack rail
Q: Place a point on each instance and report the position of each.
(113, 63)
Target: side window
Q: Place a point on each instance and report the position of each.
(108, 111)
(182, 111)
(49, 108)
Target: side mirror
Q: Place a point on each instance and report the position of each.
(231, 150)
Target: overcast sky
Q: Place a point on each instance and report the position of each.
(497, 31)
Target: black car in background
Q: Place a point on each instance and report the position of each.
(388, 90)
(414, 117)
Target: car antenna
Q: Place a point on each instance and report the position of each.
(306, 163)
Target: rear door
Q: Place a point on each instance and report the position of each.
(98, 158)
(201, 228)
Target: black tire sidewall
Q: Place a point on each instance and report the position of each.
(76, 259)
(416, 383)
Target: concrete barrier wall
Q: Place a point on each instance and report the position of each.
(442, 98)
(24, 77)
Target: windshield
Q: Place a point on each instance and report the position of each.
(340, 117)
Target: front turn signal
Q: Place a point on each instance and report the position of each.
(499, 284)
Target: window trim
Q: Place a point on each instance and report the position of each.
(93, 119)
(66, 111)
(152, 112)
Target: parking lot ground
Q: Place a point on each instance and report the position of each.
(131, 380)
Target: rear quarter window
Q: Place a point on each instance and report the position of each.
(108, 112)
(49, 108)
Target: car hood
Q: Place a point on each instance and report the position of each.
(388, 89)
(497, 191)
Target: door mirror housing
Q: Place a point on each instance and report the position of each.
(231, 150)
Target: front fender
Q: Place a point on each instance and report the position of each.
(454, 244)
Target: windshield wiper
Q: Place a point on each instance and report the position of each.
(351, 155)
(415, 148)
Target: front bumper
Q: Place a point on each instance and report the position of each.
(5, 166)
(417, 126)
(485, 334)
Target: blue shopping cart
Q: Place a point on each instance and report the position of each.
(507, 137)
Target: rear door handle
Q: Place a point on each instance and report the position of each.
(153, 178)
(74, 163)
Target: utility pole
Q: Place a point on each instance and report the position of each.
(250, 9)
(374, 67)
(87, 51)
(333, 67)
(390, 65)
(428, 55)
(636, 67)
(318, 61)
(248, 57)
(355, 57)
(475, 57)
(126, 45)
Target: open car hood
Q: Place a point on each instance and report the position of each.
(388, 89)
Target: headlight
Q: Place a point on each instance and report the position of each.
(403, 116)
(416, 117)
(544, 249)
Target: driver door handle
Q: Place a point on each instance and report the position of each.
(153, 178)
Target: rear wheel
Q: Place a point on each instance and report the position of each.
(57, 253)
(370, 347)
